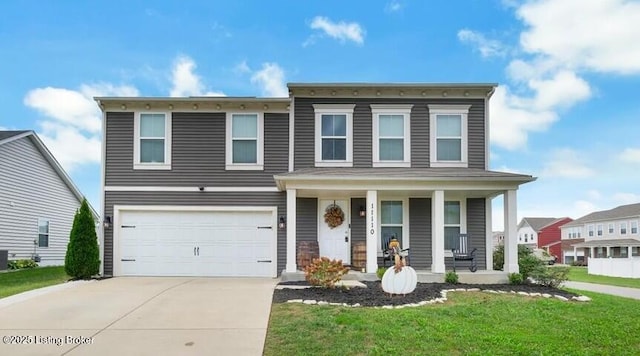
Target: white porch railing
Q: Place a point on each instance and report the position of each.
(615, 267)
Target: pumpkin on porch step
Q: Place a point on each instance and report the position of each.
(403, 281)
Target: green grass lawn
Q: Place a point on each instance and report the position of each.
(15, 282)
(468, 323)
(579, 274)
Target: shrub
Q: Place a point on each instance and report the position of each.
(515, 278)
(380, 272)
(528, 264)
(451, 277)
(324, 272)
(577, 263)
(527, 261)
(550, 276)
(83, 255)
(21, 264)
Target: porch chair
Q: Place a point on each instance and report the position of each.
(460, 252)
(388, 254)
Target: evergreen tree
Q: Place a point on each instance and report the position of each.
(83, 255)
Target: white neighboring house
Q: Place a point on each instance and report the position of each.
(611, 240)
(38, 200)
(528, 230)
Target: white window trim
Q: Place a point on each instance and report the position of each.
(623, 224)
(344, 109)
(434, 111)
(599, 229)
(463, 220)
(41, 220)
(259, 165)
(611, 228)
(405, 220)
(167, 142)
(591, 231)
(631, 226)
(400, 109)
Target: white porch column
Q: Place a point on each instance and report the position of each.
(489, 229)
(575, 253)
(437, 232)
(510, 232)
(629, 252)
(373, 241)
(608, 252)
(291, 231)
(592, 252)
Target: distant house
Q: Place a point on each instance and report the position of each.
(528, 230)
(549, 238)
(38, 200)
(498, 238)
(611, 240)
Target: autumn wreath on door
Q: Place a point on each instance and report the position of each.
(333, 215)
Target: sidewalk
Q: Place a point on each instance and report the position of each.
(626, 292)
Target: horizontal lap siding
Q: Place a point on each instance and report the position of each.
(362, 127)
(198, 152)
(420, 232)
(477, 230)
(195, 199)
(358, 224)
(307, 219)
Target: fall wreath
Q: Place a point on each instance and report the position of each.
(333, 216)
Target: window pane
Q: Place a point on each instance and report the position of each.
(334, 149)
(452, 212)
(43, 240)
(151, 125)
(449, 149)
(387, 232)
(152, 151)
(391, 212)
(43, 227)
(391, 149)
(334, 125)
(244, 126)
(391, 125)
(449, 125)
(245, 151)
(451, 237)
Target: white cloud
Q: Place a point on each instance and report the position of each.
(271, 80)
(567, 163)
(242, 68)
(487, 47)
(342, 31)
(393, 6)
(185, 82)
(631, 155)
(594, 194)
(626, 198)
(582, 208)
(72, 120)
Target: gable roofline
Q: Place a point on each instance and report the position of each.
(536, 223)
(556, 221)
(30, 134)
(620, 212)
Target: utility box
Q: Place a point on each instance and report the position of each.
(4, 259)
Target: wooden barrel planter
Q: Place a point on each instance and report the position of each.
(359, 255)
(307, 251)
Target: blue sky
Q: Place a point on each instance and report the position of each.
(566, 111)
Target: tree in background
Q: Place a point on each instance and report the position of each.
(83, 255)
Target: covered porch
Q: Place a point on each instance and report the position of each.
(613, 257)
(423, 208)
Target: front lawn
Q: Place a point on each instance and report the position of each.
(15, 282)
(468, 323)
(579, 274)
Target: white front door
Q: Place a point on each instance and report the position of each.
(334, 242)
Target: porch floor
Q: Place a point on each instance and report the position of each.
(424, 276)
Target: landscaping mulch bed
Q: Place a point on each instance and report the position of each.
(373, 295)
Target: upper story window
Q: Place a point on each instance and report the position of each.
(634, 227)
(590, 229)
(448, 142)
(623, 228)
(334, 135)
(152, 143)
(611, 228)
(599, 230)
(391, 135)
(245, 141)
(43, 233)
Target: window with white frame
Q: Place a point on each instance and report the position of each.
(245, 141)
(391, 221)
(634, 227)
(152, 145)
(43, 233)
(452, 224)
(448, 141)
(623, 228)
(579, 232)
(391, 135)
(334, 135)
(599, 229)
(590, 229)
(611, 228)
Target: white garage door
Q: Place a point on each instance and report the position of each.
(197, 243)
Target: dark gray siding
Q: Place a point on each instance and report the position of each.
(420, 232)
(196, 199)
(362, 156)
(476, 228)
(307, 219)
(358, 224)
(198, 152)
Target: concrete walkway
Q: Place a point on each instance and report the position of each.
(626, 292)
(142, 316)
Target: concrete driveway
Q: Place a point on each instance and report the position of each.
(142, 316)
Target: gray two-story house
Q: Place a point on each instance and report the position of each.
(224, 186)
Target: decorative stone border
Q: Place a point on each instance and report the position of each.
(443, 298)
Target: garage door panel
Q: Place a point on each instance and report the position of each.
(197, 243)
